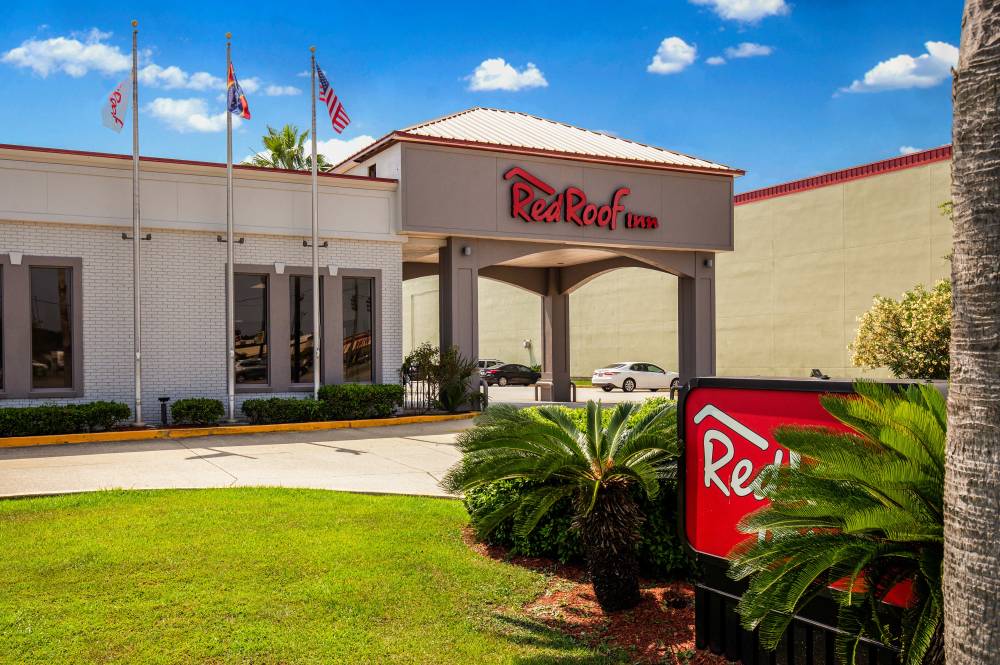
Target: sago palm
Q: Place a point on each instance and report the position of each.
(599, 468)
(861, 513)
(285, 149)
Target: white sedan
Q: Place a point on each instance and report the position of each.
(631, 375)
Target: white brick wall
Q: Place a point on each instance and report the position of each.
(183, 304)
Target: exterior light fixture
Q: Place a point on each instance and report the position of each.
(279, 267)
(333, 269)
(15, 258)
(709, 263)
(466, 250)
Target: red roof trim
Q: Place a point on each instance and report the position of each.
(580, 157)
(846, 175)
(186, 162)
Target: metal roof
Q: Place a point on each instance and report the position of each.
(511, 131)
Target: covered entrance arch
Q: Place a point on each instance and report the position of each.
(553, 273)
(547, 207)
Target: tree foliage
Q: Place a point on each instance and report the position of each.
(863, 511)
(285, 149)
(909, 336)
(595, 467)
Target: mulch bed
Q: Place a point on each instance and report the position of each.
(659, 630)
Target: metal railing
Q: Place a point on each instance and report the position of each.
(421, 395)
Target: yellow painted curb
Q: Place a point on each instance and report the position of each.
(223, 430)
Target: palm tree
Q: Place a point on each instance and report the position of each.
(598, 468)
(285, 149)
(972, 490)
(862, 512)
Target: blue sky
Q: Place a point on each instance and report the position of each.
(643, 71)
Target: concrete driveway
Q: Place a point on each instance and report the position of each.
(403, 459)
(526, 395)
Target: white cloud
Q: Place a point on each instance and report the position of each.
(673, 56)
(747, 11)
(716, 60)
(71, 55)
(337, 150)
(748, 50)
(496, 74)
(281, 90)
(905, 71)
(303, 74)
(174, 78)
(908, 150)
(189, 115)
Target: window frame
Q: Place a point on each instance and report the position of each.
(17, 368)
(338, 366)
(332, 326)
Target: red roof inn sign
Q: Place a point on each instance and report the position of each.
(528, 202)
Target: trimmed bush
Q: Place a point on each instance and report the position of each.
(284, 410)
(102, 415)
(197, 411)
(49, 419)
(351, 401)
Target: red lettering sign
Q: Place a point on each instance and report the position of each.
(728, 439)
(570, 205)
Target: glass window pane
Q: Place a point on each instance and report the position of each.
(51, 327)
(251, 328)
(300, 298)
(358, 328)
(2, 384)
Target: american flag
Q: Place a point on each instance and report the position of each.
(338, 116)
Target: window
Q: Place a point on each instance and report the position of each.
(2, 383)
(51, 327)
(251, 328)
(372, 170)
(358, 328)
(654, 368)
(300, 298)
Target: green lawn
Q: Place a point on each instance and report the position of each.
(259, 576)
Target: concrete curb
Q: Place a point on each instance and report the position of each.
(222, 430)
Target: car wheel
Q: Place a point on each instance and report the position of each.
(502, 381)
(676, 383)
(628, 385)
(607, 389)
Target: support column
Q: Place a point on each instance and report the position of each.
(555, 340)
(458, 274)
(696, 319)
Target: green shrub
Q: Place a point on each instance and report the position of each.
(285, 410)
(910, 336)
(40, 420)
(49, 419)
(102, 415)
(197, 411)
(352, 401)
(660, 549)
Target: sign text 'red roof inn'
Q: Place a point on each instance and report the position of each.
(571, 205)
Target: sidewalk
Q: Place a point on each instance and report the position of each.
(404, 459)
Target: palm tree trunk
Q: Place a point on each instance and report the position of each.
(972, 479)
(609, 534)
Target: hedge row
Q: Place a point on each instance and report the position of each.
(340, 402)
(62, 418)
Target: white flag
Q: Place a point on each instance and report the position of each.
(113, 113)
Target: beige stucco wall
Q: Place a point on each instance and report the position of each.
(805, 266)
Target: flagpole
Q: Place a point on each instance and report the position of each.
(230, 258)
(136, 238)
(315, 233)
